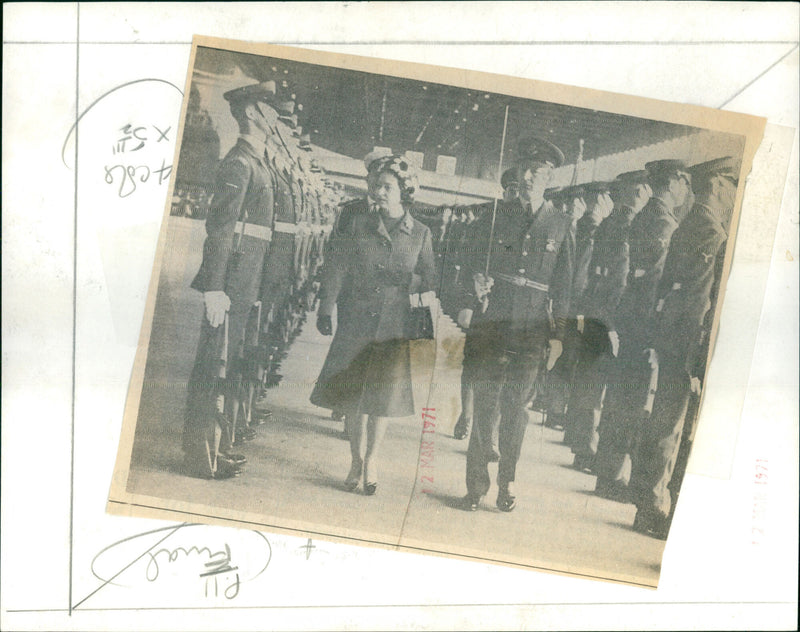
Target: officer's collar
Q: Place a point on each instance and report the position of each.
(253, 143)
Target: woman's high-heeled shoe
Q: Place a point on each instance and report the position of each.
(369, 487)
(351, 482)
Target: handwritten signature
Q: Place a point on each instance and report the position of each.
(207, 559)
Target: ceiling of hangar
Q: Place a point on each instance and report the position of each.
(349, 112)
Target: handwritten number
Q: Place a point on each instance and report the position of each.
(164, 172)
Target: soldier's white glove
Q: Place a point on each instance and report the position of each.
(464, 318)
(554, 353)
(578, 208)
(696, 385)
(652, 357)
(217, 303)
(604, 206)
(613, 338)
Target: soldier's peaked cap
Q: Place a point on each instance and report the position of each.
(264, 91)
(597, 187)
(657, 167)
(286, 108)
(572, 192)
(531, 148)
(553, 193)
(727, 166)
(632, 177)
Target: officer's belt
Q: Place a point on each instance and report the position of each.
(254, 230)
(523, 282)
(285, 227)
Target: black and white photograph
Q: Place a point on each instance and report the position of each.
(434, 310)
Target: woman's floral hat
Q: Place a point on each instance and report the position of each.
(398, 165)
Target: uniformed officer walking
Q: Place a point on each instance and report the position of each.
(686, 293)
(238, 227)
(509, 314)
(632, 383)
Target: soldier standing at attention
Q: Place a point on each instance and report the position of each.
(630, 386)
(608, 273)
(511, 315)
(597, 203)
(239, 229)
(687, 292)
(606, 278)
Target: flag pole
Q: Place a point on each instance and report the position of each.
(499, 180)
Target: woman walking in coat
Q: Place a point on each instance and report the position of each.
(380, 257)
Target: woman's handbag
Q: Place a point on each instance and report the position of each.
(419, 322)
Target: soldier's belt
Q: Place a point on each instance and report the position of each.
(285, 227)
(522, 282)
(254, 230)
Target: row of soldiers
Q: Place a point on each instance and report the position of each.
(594, 304)
(269, 217)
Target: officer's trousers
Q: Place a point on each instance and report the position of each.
(505, 382)
(659, 440)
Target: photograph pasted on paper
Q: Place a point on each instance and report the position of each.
(430, 315)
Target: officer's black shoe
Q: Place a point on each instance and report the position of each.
(461, 429)
(337, 415)
(470, 502)
(505, 501)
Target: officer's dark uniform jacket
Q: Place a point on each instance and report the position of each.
(691, 279)
(530, 265)
(239, 226)
(649, 238)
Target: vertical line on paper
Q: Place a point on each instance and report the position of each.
(74, 299)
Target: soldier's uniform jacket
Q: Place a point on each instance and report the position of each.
(692, 275)
(649, 239)
(277, 271)
(585, 229)
(238, 226)
(608, 270)
(531, 262)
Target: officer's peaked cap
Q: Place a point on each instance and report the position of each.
(264, 91)
(531, 148)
